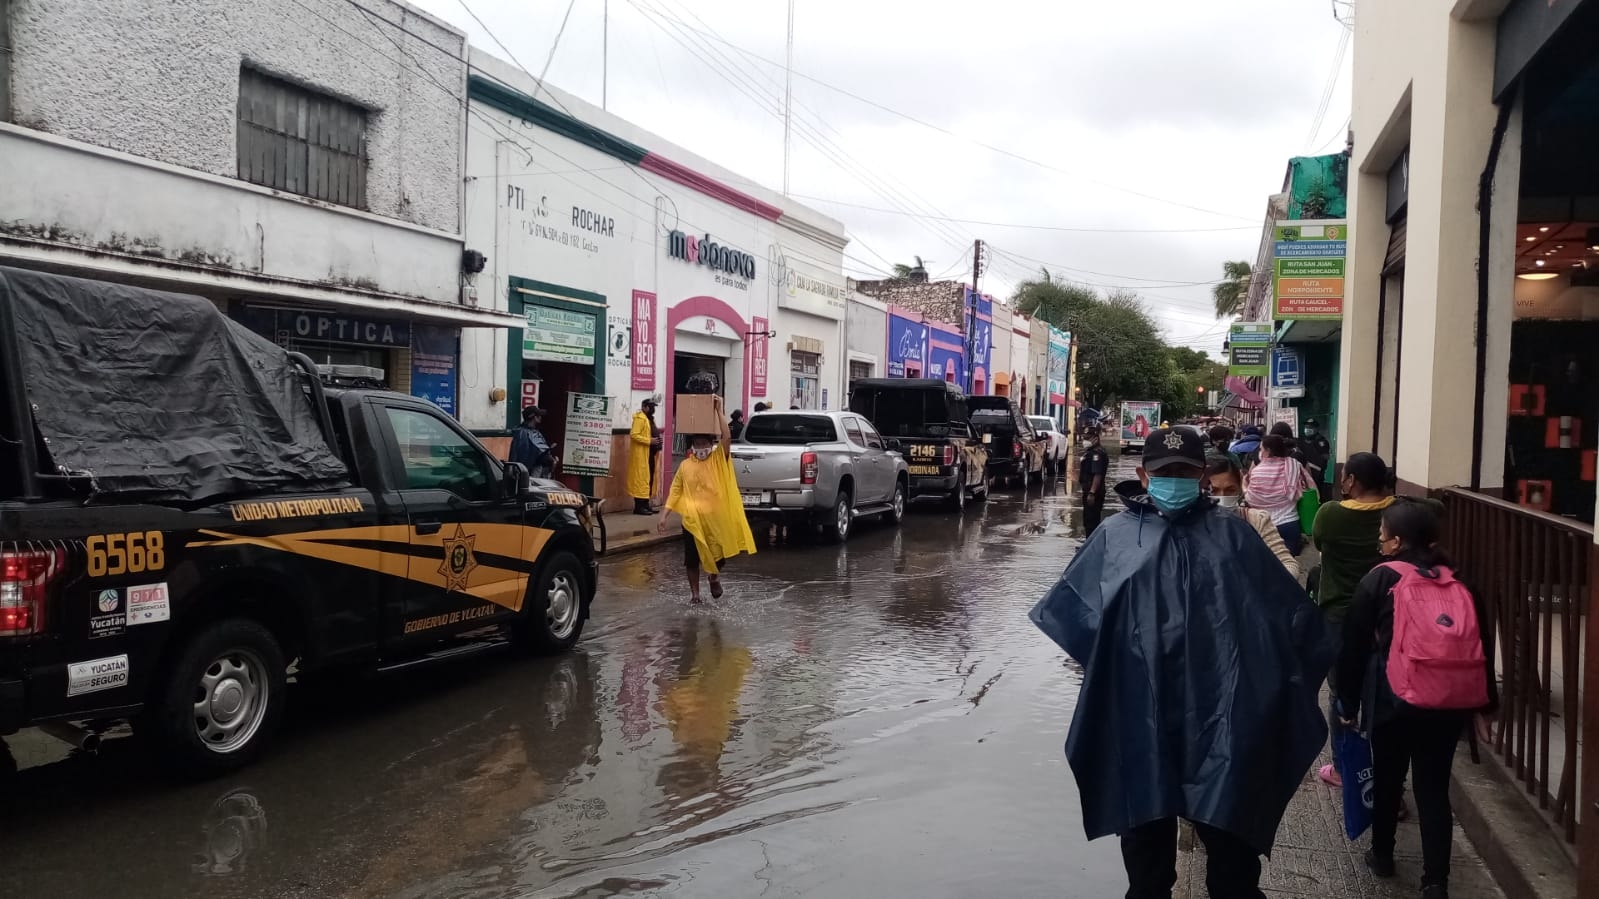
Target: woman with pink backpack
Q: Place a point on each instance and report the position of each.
(1416, 669)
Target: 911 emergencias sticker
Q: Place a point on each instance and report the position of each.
(148, 604)
(96, 675)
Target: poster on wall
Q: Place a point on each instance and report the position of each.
(907, 348)
(587, 447)
(759, 362)
(1288, 414)
(556, 335)
(433, 355)
(1308, 270)
(1060, 351)
(643, 340)
(1249, 349)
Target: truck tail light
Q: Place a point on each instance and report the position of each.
(25, 578)
(808, 468)
(949, 455)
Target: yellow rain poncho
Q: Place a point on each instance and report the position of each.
(638, 457)
(706, 495)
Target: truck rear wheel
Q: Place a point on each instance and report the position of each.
(956, 501)
(222, 699)
(556, 608)
(837, 527)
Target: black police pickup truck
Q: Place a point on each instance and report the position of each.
(928, 417)
(186, 514)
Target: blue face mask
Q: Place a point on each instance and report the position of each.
(1173, 494)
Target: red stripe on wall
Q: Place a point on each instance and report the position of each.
(687, 177)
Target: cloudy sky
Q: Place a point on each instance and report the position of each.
(1128, 144)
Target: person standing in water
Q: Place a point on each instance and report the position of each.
(705, 495)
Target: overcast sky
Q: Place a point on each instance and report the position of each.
(1195, 106)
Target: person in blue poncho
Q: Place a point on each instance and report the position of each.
(1202, 660)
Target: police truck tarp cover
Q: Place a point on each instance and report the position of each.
(158, 396)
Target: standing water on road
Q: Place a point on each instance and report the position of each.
(873, 719)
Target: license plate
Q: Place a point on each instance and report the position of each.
(754, 499)
(923, 469)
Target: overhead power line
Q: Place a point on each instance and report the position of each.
(1030, 227)
(966, 137)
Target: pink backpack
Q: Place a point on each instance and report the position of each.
(1436, 660)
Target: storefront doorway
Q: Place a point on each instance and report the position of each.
(690, 372)
(563, 350)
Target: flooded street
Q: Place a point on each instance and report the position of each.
(879, 719)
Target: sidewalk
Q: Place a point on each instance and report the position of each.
(1313, 860)
(626, 532)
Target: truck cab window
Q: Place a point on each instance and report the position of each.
(435, 457)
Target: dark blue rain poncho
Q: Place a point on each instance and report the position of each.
(1202, 664)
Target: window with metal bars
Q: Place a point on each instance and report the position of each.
(296, 140)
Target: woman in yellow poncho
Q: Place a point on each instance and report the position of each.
(705, 493)
(644, 444)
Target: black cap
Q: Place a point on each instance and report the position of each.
(648, 401)
(1174, 446)
(532, 412)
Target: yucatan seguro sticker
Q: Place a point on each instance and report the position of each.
(96, 675)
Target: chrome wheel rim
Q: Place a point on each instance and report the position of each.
(899, 502)
(560, 613)
(843, 516)
(230, 701)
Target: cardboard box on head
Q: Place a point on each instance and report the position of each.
(695, 413)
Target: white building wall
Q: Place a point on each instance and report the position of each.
(1423, 79)
(866, 332)
(161, 80)
(1000, 361)
(524, 185)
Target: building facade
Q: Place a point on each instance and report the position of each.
(636, 270)
(867, 329)
(1469, 330)
(291, 168)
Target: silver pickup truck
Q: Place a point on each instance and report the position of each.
(825, 468)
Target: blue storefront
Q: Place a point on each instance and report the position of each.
(907, 347)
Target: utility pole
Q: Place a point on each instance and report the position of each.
(605, 59)
(971, 314)
(788, 95)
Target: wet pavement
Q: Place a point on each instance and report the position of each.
(874, 720)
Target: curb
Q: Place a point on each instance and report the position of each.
(1520, 848)
(638, 541)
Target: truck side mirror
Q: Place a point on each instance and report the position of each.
(517, 479)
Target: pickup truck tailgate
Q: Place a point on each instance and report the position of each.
(767, 467)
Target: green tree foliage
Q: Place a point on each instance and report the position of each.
(1120, 354)
(1231, 293)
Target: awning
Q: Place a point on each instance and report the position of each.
(218, 284)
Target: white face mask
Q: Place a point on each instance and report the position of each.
(1228, 502)
(703, 452)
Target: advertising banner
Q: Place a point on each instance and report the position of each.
(433, 355)
(760, 362)
(1139, 418)
(556, 335)
(643, 340)
(1308, 270)
(587, 447)
(1249, 347)
(1060, 351)
(907, 348)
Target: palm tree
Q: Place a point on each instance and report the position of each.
(1233, 290)
(903, 271)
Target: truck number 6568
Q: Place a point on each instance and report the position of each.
(134, 553)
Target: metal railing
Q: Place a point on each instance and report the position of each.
(1531, 569)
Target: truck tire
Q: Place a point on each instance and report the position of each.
(836, 529)
(956, 501)
(896, 503)
(221, 701)
(556, 607)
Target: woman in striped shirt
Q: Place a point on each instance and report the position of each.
(1275, 485)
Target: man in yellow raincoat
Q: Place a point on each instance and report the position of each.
(705, 493)
(644, 447)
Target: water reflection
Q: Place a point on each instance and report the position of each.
(699, 698)
(235, 826)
